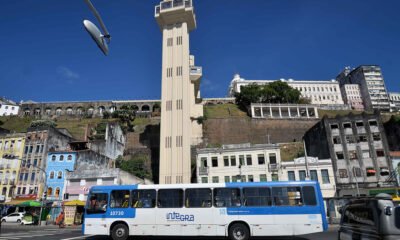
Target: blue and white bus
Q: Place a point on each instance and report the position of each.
(236, 210)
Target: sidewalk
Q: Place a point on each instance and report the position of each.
(33, 227)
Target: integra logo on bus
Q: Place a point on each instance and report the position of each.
(174, 216)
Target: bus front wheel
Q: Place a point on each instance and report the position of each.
(120, 232)
(239, 231)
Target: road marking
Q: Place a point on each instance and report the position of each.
(80, 237)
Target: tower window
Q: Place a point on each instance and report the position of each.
(169, 42)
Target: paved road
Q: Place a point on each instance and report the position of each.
(16, 232)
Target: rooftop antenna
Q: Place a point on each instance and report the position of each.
(101, 39)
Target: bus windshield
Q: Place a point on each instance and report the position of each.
(97, 203)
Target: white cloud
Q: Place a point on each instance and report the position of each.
(67, 73)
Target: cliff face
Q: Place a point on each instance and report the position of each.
(241, 130)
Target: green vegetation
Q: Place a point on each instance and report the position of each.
(290, 151)
(334, 113)
(136, 165)
(43, 123)
(275, 92)
(126, 115)
(223, 111)
(15, 123)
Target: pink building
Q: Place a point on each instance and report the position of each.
(352, 96)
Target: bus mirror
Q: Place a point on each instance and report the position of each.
(388, 211)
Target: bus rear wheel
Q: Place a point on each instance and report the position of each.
(120, 232)
(239, 231)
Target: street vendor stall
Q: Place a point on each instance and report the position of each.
(73, 212)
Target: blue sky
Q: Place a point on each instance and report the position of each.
(46, 55)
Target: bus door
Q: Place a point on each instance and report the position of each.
(144, 203)
(198, 213)
(95, 217)
(227, 206)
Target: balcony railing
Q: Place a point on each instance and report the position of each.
(196, 70)
(272, 167)
(172, 4)
(203, 170)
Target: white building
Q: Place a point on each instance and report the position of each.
(352, 96)
(319, 92)
(320, 170)
(394, 101)
(371, 83)
(238, 162)
(180, 91)
(8, 108)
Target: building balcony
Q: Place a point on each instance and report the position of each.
(195, 73)
(175, 11)
(273, 167)
(203, 171)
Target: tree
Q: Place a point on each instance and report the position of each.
(136, 165)
(275, 92)
(43, 123)
(126, 114)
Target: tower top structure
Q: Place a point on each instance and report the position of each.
(175, 11)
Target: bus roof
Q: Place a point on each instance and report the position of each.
(204, 185)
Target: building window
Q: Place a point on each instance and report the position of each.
(59, 175)
(69, 158)
(353, 155)
(52, 175)
(362, 138)
(61, 158)
(314, 175)
(376, 136)
(32, 177)
(241, 160)
(325, 176)
(263, 177)
(274, 177)
(359, 124)
(214, 161)
(357, 172)
(302, 175)
(204, 179)
(261, 159)
(35, 161)
(350, 139)
(249, 160)
(339, 155)
(346, 125)
(365, 154)
(203, 162)
(272, 158)
(215, 179)
(226, 161)
(227, 178)
(343, 173)
(57, 193)
(336, 140)
(234, 178)
(373, 123)
(370, 171)
(233, 160)
(384, 171)
(380, 153)
(251, 178)
(334, 126)
(291, 176)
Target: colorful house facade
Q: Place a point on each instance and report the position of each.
(58, 164)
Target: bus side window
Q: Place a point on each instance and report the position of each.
(170, 198)
(198, 198)
(227, 197)
(256, 196)
(143, 198)
(97, 203)
(119, 199)
(309, 196)
(287, 196)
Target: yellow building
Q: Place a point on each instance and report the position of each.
(9, 168)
